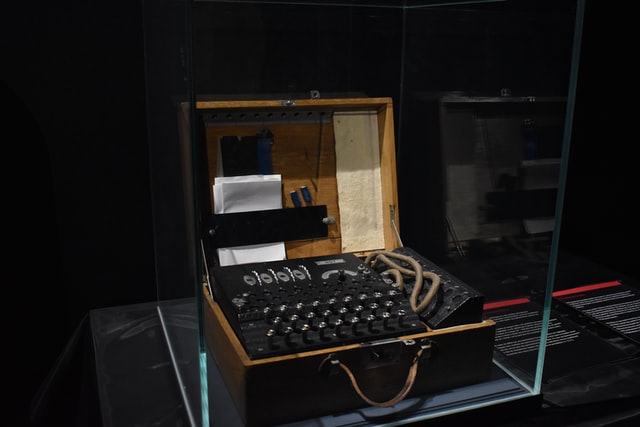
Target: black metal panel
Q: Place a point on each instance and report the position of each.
(267, 226)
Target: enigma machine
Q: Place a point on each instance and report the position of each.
(314, 298)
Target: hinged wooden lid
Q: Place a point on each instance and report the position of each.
(342, 150)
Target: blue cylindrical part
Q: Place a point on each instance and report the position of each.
(306, 195)
(295, 199)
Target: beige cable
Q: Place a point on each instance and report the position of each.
(383, 256)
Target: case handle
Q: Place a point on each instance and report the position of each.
(408, 384)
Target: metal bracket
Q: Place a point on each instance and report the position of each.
(330, 366)
(427, 348)
(388, 352)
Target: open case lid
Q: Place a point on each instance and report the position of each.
(336, 162)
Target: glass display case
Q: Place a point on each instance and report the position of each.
(473, 104)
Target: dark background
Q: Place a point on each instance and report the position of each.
(76, 169)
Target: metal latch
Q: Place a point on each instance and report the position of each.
(388, 352)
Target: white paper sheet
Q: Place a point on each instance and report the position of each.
(252, 253)
(359, 182)
(247, 193)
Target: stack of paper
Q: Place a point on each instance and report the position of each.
(248, 193)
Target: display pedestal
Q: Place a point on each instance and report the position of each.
(137, 383)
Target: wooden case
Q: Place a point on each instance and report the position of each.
(331, 146)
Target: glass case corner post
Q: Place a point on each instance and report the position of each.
(566, 142)
(168, 74)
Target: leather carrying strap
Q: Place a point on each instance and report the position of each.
(408, 384)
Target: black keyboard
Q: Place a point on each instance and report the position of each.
(283, 307)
